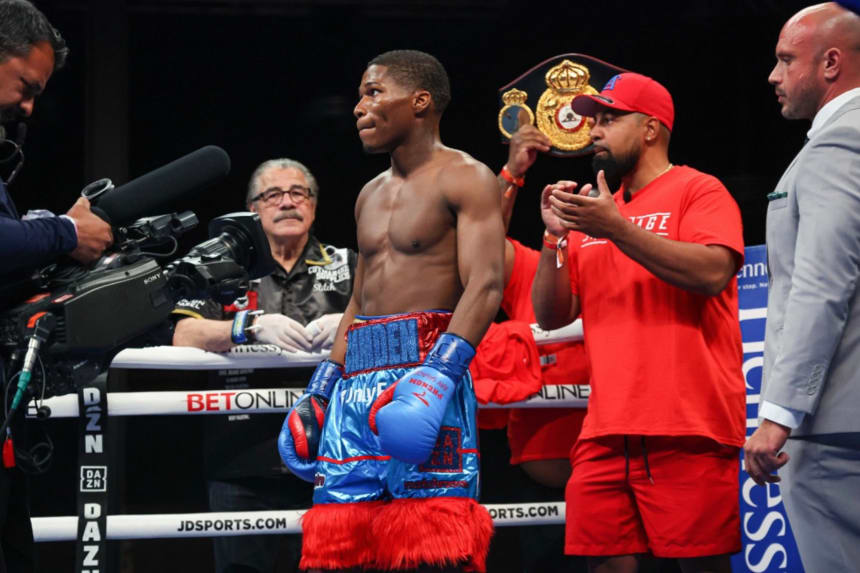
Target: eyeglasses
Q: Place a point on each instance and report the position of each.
(274, 196)
(11, 154)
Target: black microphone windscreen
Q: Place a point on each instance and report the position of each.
(161, 188)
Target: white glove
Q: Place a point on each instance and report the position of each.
(283, 331)
(322, 331)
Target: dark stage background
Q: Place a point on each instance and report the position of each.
(150, 80)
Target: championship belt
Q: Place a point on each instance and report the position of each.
(551, 86)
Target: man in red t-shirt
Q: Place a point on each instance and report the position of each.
(651, 270)
(541, 434)
(540, 439)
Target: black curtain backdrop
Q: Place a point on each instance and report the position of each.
(270, 79)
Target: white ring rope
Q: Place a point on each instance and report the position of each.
(264, 400)
(224, 524)
(261, 401)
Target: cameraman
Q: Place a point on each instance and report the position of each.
(303, 300)
(30, 50)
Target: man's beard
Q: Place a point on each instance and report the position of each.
(615, 168)
(803, 103)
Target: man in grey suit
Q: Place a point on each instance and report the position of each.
(811, 384)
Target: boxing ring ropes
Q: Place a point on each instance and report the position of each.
(248, 401)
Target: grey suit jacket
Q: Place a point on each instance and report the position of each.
(812, 337)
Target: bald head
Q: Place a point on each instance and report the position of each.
(829, 25)
(818, 58)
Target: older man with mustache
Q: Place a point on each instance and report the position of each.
(302, 302)
(303, 298)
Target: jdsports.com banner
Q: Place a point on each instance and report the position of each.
(768, 544)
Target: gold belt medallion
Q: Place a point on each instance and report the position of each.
(555, 117)
(509, 115)
(557, 80)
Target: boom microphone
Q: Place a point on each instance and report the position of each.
(154, 191)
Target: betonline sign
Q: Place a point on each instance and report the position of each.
(238, 400)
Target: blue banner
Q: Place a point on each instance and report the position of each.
(768, 543)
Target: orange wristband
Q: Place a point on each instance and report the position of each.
(508, 176)
(558, 244)
(550, 241)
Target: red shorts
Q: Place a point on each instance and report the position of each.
(543, 433)
(688, 507)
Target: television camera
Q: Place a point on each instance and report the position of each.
(77, 319)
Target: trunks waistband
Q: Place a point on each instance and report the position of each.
(394, 341)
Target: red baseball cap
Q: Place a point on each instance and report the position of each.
(630, 92)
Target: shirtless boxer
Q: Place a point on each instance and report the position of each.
(396, 474)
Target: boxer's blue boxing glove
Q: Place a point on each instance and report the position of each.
(408, 415)
(299, 439)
